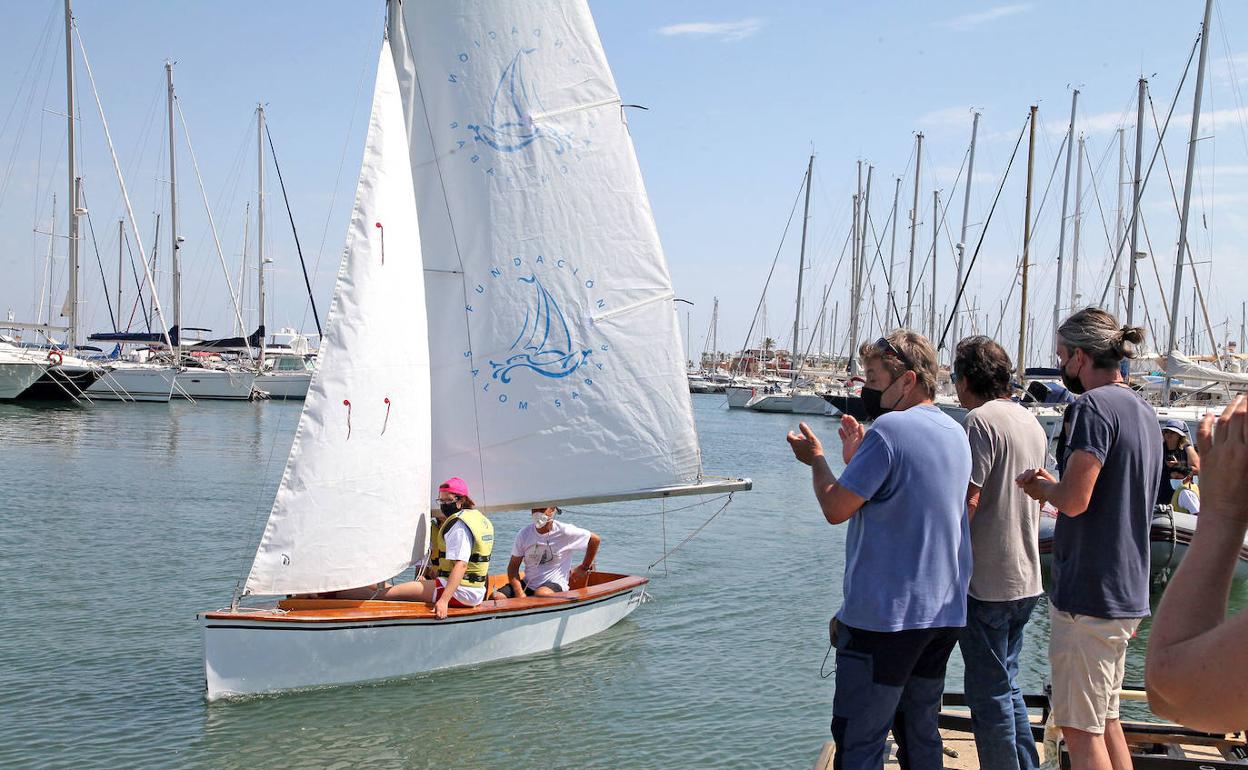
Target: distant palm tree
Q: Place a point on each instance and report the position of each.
(768, 344)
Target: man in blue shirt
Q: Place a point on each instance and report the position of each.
(1110, 470)
(907, 556)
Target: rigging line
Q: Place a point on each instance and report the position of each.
(282, 183)
(1096, 193)
(944, 214)
(970, 266)
(238, 313)
(662, 511)
(40, 54)
(82, 190)
(1235, 82)
(1144, 182)
(1165, 302)
(1186, 245)
(138, 285)
(663, 558)
(763, 295)
(459, 257)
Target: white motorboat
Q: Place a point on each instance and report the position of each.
(524, 422)
(18, 371)
(286, 376)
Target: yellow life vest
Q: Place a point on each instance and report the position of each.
(482, 543)
(1174, 499)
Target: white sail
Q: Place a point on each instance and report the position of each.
(353, 503)
(557, 369)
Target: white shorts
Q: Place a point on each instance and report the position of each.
(1088, 658)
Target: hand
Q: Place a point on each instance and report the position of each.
(580, 573)
(806, 447)
(1223, 445)
(441, 608)
(851, 433)
(1034, 481)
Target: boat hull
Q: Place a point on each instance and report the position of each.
(292, 386)
(137, 382)
(738, 396)
(255, 652)
(16, 377)
(771, 402)
(219, 384)
(808, 403)
(62, 383)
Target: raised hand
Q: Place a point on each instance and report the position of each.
(851, 433)
(1223, 445)
(807, 446)
(1032, 481)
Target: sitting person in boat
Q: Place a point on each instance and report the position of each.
(1185, 495)
(459, 555)
(545, 548)
(1179, 453)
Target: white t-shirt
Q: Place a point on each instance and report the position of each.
(459, 548)
(1189, 500)
(548, 555)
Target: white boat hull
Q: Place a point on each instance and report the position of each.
(247, 654)
(293, 385)
(738, 396)
(134, 382)
(808, 403)
(771, 402)
(17, 376)
(215, 384)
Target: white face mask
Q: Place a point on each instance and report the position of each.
(542, 518)
(1176, 483)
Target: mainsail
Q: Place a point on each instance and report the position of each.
(352, 508)
(557, 370)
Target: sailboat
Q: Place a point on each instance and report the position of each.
(378, 428)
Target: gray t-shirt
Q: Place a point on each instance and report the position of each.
(1005, 440)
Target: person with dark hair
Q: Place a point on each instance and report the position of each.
(1179, 455)
(1110, 472)
(908, 556)
(1005, 584)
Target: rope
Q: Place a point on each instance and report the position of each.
(306, 282)
(666, 553)
(82, 190)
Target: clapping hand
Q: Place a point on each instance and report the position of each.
(1032, 482)
(807, 446)
(852, 433)
(1223, 444)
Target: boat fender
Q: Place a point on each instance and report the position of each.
(57, 356)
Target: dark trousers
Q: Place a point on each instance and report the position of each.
(889, 680)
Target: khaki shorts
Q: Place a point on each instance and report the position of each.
(1088, 657)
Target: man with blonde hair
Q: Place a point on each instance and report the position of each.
(907, 556)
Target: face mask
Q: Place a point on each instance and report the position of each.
(1072, 382)
(449, 508)
(1176, 483)
(541, 518)
(872, 401)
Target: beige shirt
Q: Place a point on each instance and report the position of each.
(1005, 440)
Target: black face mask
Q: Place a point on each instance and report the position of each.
(449, 509)
(871, 401)
(1071, 382)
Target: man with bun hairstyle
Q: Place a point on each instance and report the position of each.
(1110, 471)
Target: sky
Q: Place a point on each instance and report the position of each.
(739, 94)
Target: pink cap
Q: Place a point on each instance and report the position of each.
(455, 485)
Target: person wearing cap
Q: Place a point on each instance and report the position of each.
(907, 555)
(459, 557)
(1179, 455)
(545, 548)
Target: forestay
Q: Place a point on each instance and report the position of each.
(354, 498)
(557, 367)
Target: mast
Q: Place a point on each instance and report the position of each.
(1122, 160)
(864, 203)
(1132, 278)
(1077, 225)
(1187, 198)
(121, 238)
(173, 219)
(966, 212)
(260, 226)
(801, 267)
(892, 255)
(1061, 230)
(71, 341)
(931, 315)
(914, 216)
(1022, 312)
(715, 335)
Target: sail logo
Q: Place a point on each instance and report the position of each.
(514, 120)
(548, 360)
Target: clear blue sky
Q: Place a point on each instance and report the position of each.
(739, 93)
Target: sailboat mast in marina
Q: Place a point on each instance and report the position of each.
(501, 221)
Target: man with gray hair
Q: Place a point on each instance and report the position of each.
(907, 556)
(1110, 470)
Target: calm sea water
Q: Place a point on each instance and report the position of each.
(119, 522)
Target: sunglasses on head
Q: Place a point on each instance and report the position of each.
(889, 349)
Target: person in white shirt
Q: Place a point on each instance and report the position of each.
(545, 549)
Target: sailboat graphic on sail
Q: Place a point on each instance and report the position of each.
(376, 430)
(545, 344)
(511, 127)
